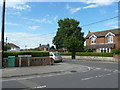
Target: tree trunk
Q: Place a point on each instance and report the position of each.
(73, 55)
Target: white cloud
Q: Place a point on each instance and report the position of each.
(12, 24)
(33, 27)
(22, 7)
(55, 18)
(29, 39)
(16, 4)
(99, 2)
(72, 10)
(90, 4)
(44, 20)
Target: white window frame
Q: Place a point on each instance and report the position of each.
(108, 50)
(110, 37)
(93, 37)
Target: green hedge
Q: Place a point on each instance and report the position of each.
(88, 54)
(116, 51)
(33, 53)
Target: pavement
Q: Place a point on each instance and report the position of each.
(41, 70)
(67, 74)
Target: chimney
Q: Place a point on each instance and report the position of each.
(48, 45)
(39, 45)
(89, 32)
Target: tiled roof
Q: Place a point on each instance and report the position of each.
(103, 33)
(44, 46)
(13, 45)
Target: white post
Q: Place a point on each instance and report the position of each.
(28, 62)
(20, 62)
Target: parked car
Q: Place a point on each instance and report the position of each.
(55, 56)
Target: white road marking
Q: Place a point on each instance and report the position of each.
(98, 76)
(34, 77)
(43, 86)
(87, 78)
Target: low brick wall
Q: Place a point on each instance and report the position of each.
(29, 61)
(91, 58)
(117, 57)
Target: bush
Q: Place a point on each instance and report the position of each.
(116, 51)
(33, 53)
(88, 54)
(65, 53)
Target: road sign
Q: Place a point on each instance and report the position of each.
(24, 55)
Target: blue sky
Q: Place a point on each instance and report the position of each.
(32, 23)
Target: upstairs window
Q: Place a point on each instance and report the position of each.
(110, 37)
(93, 39)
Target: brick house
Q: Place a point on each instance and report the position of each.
(43, 47)
(103, 41)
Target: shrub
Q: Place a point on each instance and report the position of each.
(88, 54)
(116, 51)
(65, 53)
(33, 53)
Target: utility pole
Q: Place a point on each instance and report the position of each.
(2, 34)
(6, 40)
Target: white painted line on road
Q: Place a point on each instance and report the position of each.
(88, 78)
(43, 86)
(34, 77)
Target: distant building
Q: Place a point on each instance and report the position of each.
(13, 47)
(104, 41)
(43, 47)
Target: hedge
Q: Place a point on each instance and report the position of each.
(116, 51)
(33, 53)
(88, 54)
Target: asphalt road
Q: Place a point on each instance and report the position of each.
(99, 75)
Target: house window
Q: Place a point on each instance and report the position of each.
(104, 50)
(93, 39)
(110, 39)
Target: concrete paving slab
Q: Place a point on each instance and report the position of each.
(37, 70)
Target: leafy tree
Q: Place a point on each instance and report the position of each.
(6, 47)
(52, 48)
(69, 36)
(87, 49)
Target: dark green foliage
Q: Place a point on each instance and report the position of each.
(69, 36)
(88, 54)
(87, 49)
(33, 53)
(52, 48)
(6, 47)
(116, 51)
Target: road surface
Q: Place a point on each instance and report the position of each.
(98, 75)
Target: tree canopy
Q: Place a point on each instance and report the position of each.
(69, 35)
(6, 47)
